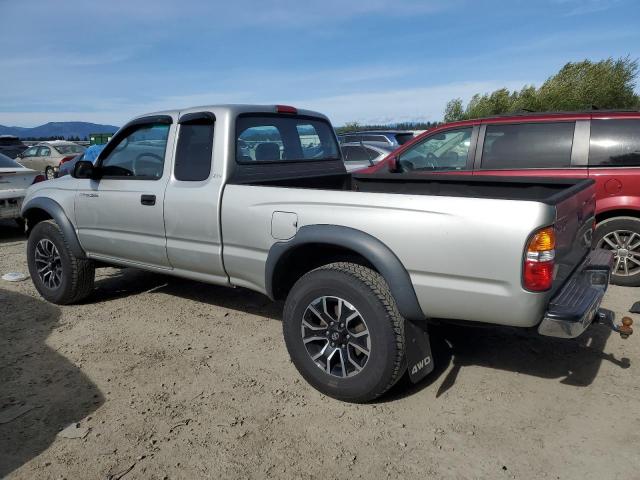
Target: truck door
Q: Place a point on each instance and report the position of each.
(120, 215)
(192, 200)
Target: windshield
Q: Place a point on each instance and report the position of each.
(6, 162)
(69, 149)
(279, 138)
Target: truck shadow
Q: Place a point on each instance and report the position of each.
(574, 362)
(10, 232)
(123, 282)
(41, 391)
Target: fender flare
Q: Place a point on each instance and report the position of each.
(56, 212)
(372, 249)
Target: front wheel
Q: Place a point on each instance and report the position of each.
(621, 235)
(344, 333)
(57, 274)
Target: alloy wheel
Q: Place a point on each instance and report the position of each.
(625, 245)
(48, 263)
(336, 336)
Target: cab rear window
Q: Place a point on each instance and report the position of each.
(278, 138)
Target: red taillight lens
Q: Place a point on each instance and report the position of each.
(38, 179)
(66, 159)
(539, 260)
(538, 276)
(286, 109)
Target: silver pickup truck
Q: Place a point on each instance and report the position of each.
(258, 197)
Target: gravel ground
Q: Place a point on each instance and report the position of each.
(167, 378)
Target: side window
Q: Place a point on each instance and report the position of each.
(446, 150)
(614, 143)
(44, 152)
(139, 154)
(375, 138)
(528, 145)
(193, 154)
(352, 139)
(371, 153)
(30, 152)
(355, 154)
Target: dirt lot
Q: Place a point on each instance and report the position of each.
(168, 378)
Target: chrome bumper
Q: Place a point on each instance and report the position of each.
(576, 305)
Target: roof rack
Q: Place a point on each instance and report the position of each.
(593, 109)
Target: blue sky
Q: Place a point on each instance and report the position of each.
(355, 60)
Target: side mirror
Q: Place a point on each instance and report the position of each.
(84, 169)
(394, 165)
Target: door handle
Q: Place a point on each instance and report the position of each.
(148, 199)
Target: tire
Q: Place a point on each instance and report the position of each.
(627, 231)
(366, 293)
(49, 173)
(76, 275)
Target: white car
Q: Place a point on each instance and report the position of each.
(14, 181)
(46, 156)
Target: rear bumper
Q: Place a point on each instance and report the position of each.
(574, 307)
(11, 203)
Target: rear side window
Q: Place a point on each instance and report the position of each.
(614, 143)
(44, 152)
(528, 145)
(195, 146)
(277, 138)
(375, 138)
(358, 154)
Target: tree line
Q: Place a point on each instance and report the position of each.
(585, 85)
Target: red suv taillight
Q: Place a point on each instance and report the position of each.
(66, 159)
(539, 260)
(38, 179)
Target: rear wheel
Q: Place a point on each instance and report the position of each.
(621, 235)
(57, 274)
(50, 173)
(344, 333)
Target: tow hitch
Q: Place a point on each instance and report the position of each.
(607, 317)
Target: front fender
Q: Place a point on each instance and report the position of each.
(55, 211)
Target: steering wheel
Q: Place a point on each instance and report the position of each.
(139, 158)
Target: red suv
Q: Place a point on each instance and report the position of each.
(603, 145)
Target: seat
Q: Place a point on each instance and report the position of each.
(267, 152)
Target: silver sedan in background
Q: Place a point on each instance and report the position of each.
(14, 181)
(359, 155)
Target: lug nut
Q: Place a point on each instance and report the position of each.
(342, 325)
(333, 344)
(326, 333)
(331, 324)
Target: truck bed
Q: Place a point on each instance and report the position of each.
(319, 177)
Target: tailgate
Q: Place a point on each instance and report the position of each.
(575, 216)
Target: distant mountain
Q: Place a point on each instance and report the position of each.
(58, 129)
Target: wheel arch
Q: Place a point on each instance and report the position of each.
(39, 209)
(619, 212)
(317, 245)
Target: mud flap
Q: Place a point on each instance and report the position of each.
(418, 350)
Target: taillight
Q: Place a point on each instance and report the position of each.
(66, 159)
(38, 179)
(540, 260)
